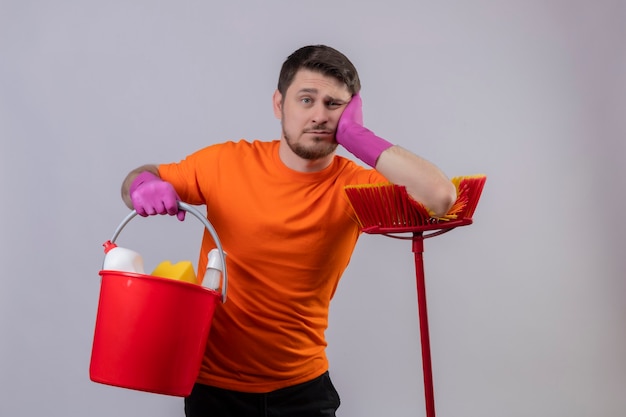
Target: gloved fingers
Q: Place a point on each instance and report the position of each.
(352, 115)
(356, 101)
(354, 110)
(153, 206)
(170, 206)
(152, 209)
(161, 207)
(139, 205)
(156, 197)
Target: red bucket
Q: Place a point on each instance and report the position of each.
(151, 332)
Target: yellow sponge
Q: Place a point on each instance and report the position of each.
(182, 271)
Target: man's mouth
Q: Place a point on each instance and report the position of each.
(319, 132)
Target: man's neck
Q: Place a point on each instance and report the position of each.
(293, 161)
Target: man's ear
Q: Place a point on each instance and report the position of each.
(277, 101)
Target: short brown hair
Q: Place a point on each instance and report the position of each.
(323, 59)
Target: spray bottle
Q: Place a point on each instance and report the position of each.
(213, 274)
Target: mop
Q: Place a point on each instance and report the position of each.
(387, 209)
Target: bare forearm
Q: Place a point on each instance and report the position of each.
(129, 180)
(424, 181)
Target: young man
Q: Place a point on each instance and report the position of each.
(280, 211)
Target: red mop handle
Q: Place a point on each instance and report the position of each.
(429, 396)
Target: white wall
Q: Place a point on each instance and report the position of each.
(527, 306)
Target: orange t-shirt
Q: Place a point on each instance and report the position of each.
(288, 236)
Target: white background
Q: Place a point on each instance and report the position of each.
(527, 306)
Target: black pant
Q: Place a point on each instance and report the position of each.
(316, 398)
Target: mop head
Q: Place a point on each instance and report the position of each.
(388, 205)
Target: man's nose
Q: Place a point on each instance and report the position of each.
(320, 114)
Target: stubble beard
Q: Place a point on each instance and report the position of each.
(313, 152)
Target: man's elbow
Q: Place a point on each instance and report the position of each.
(443, 199)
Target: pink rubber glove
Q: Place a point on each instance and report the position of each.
(357, 139)
(151, 195)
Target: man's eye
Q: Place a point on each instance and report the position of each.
(306, 100)
(333, 104)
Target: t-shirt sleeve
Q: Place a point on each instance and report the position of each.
(187, 175)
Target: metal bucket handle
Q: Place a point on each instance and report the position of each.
(189, 209)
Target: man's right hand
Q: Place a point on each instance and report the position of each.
(151, 195)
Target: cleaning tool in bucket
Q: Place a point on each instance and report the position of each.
(387, 209)
(150, 332)
(121, 259)
(213, 269)
(182, 271)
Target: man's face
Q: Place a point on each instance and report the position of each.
(309, 113)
